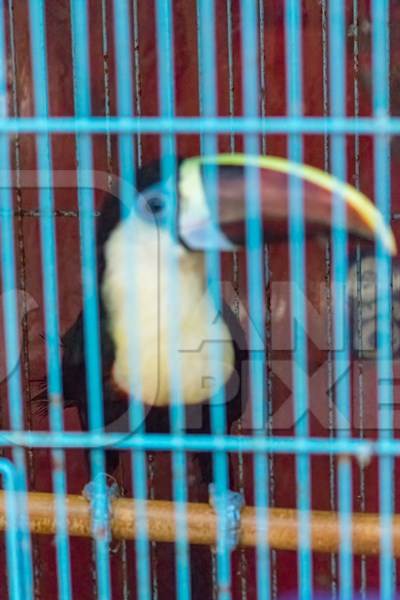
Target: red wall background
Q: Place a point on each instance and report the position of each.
(272, 97)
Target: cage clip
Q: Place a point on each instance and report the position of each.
(100, 492)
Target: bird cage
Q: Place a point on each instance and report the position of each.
(261, 137)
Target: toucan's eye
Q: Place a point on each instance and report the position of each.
(156, 204)
(152, 204)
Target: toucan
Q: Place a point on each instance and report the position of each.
(136, 247)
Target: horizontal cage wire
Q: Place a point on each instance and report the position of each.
(200, 327)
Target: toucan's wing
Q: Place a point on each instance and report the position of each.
(236, 385)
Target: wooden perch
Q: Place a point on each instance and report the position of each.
(282, 534)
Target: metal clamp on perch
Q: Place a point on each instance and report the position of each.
(101, 504)
(228, 509)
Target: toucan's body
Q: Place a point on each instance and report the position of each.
(150, 309)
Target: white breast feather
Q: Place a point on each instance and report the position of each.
(136, 291)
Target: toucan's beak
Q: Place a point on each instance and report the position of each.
(221, 225)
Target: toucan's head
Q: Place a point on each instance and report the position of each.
(213, 195)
